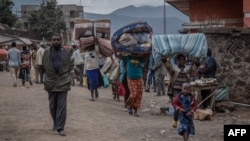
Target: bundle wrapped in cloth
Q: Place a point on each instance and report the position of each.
(133, 38)
(85, 28)
(192, 44)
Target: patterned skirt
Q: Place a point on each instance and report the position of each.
(186, 124)
(136, 89)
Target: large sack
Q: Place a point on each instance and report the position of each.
(105, 47)
(133, 38)
(86, 42)
(201, 114)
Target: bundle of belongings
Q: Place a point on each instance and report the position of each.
(90, 33)
(133, 38)
(192, 44)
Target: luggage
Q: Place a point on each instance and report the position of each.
(192, 44)
(133, 38)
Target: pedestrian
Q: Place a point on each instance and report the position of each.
(78, 59)
(150, 74)
(208, 71)
(124, 80)
(179, 73)
(160, 73)
(134, 65)
(39, 58)
(57, 65)
(34, 67)
(185, 103)
(14, 62)
(26, 65)
(91, 69)
(110, 69)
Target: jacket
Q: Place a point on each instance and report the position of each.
(54, 82)
(210, 68)
(178, 104)
(39, 56)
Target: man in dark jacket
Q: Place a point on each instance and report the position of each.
(208, 71)
(57, 65)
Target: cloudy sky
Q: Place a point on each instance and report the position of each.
(107, 6)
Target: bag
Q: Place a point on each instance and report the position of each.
(115, 74)
(105, 81)
(121, 90)
(21, 75)
(201, 114)
(85, 81)
(221, 93)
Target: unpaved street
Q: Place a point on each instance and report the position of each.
(24, 116)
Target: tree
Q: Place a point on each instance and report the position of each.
(6, 15)
(47, 20)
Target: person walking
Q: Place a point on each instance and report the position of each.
(160, 73)
(134, 65)
(14, 62)
(39, 58)
(150, 74)
(124, 80)
(179, 74)
(78, 59)
(26, 65)
(34, 67)
(57, 64)
(186, 104)
(92, 70)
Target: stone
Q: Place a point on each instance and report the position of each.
(240, 83)
(237, 66)
(163, 131)
(237, 60)
(247, 59)
(148, 136)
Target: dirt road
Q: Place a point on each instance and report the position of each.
(24, 116)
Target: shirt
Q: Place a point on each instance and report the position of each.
(134, 66)
(26, 59)
(14, 57)
(78, 57)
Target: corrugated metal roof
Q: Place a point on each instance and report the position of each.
(182, 5)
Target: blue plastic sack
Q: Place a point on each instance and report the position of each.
(222, 93)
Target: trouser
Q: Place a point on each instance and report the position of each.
(204, 94)
(160, 84)
(41, 72)
(26, 74)
(13, 73)
(57, 106)
(80, 68)
(150, 79)
(176, 113)
(125, 84)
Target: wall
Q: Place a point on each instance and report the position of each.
(202, 10)
(246, 10)
(231, 48)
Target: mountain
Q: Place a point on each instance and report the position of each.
(153, 15)
(149, 11)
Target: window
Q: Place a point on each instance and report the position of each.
(72, 14)
(72, 24)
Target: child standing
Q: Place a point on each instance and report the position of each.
(185, 103)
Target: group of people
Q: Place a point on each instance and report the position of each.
(56, 63)
(26, 64)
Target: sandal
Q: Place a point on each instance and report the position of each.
(174, 124)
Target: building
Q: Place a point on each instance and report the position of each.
(213, 13)
(70, 12)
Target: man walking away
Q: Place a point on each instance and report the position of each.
(78, 59)
(14, 61)
(39, 58)
(57, 65)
